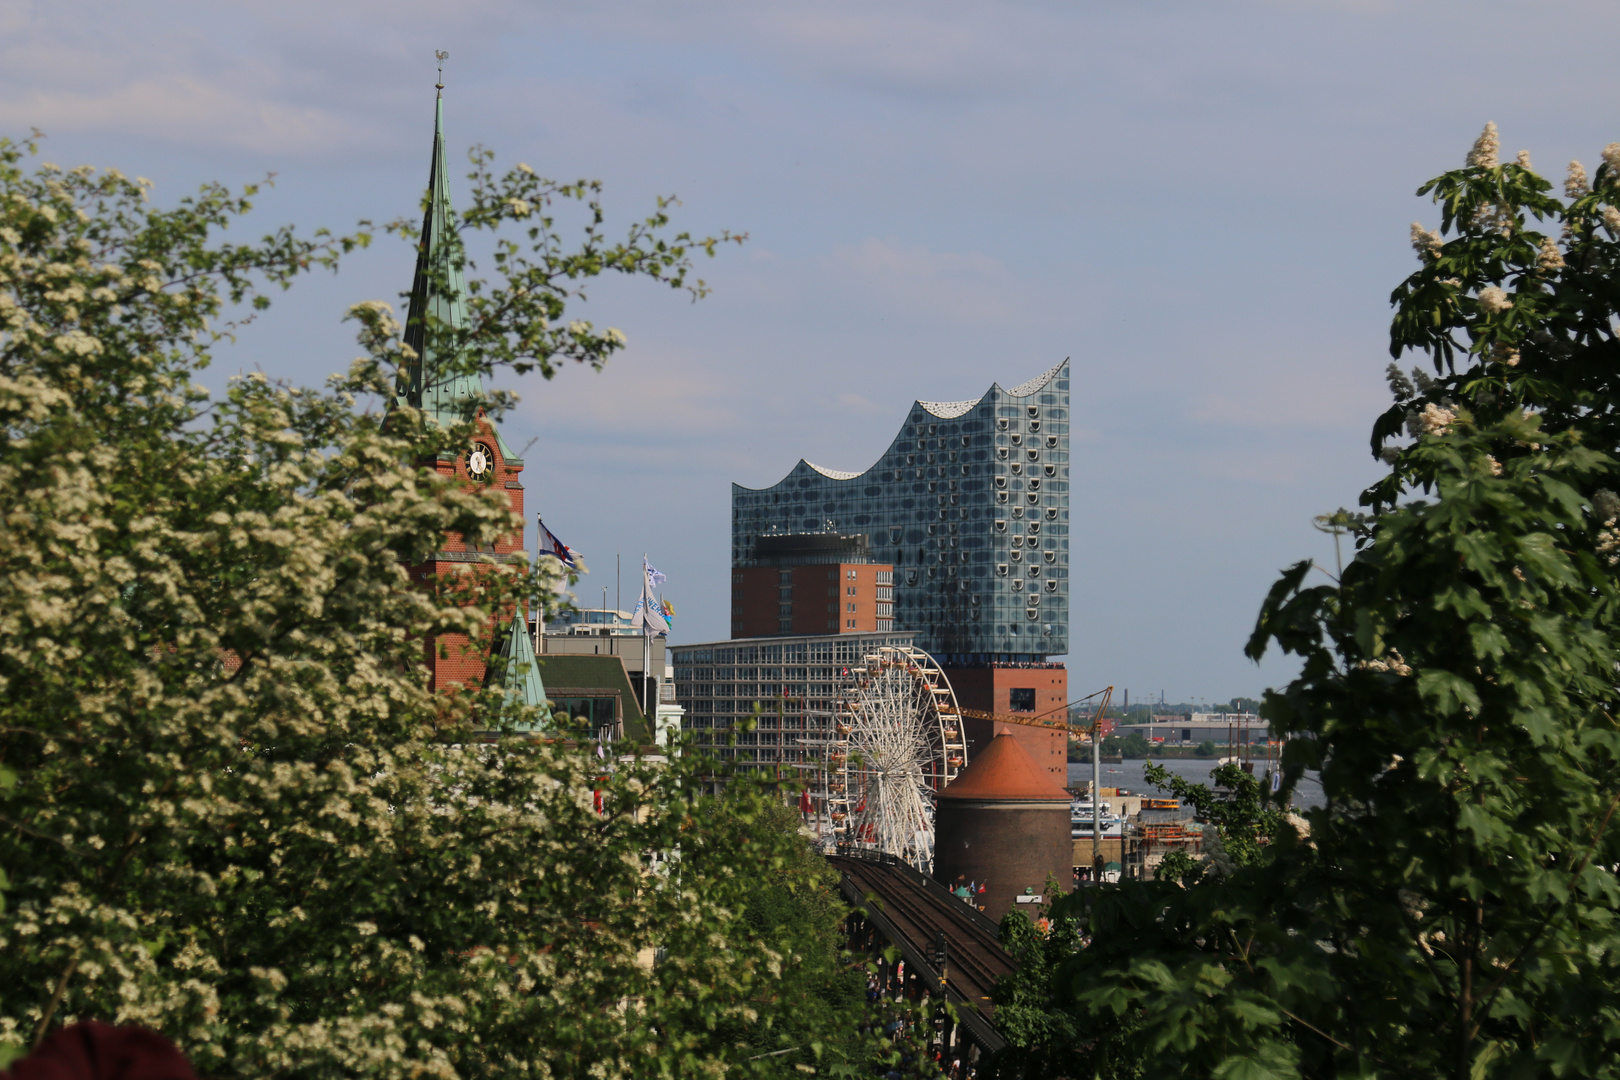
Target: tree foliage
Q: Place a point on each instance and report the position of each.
(230, 807)
(1452, 910)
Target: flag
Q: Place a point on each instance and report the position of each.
(649, 614)
(550, 545)
(667, 609)
(805, 806)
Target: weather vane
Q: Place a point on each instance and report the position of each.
(441, 56)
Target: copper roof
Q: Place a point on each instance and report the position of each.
(1004, 770)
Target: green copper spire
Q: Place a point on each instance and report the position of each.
(439, 298)
(521, 673)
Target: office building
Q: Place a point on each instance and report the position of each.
(718, 684)
(811, 583)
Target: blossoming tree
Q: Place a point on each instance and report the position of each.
(1451, 911)
(230, 807)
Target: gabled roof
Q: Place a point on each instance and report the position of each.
(1004, 771)
(438, 305)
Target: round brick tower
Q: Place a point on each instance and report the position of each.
(1004, 824)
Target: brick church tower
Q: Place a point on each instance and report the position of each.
(438, 312)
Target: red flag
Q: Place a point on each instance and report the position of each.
(805, 806)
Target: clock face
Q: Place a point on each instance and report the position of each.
(481, 463)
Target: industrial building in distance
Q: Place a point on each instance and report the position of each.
(959, 533)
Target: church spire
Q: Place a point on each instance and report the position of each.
(438, 307)
(520, 674)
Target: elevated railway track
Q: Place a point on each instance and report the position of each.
(915, 912)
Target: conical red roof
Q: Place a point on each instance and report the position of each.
(1004, 770)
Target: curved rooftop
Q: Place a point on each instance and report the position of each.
(944, 410)
(1004, 771)
(832, 474)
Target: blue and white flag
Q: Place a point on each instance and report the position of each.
(649, 614)
(550, 545)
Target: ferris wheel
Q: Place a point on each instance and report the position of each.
(897, 741)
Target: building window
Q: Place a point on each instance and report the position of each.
(1021, 699)
(1034, 425)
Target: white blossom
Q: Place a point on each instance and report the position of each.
(1611, 219)
(1487, 147)
(1523, 160)
(1575, 183)
(1392, 663)
(1492, 300)
(1436, 419)
(1611, 158)
(1550, 258)
(1426, 243)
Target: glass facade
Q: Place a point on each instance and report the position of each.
(971, 506)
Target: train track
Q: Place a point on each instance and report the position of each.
(920, 911)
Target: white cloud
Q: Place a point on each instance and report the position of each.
(184, 109)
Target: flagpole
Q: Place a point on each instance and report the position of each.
(650, 708)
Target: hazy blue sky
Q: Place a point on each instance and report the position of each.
(1204, 203)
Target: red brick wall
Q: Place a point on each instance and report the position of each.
(990, 690)
(451, 659)
(754, 601)
(821, 599)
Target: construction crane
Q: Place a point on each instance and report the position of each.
(1045, 720)
(1092, 733)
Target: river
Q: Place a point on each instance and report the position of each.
(1128, 775)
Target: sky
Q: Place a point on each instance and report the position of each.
(1205, 204)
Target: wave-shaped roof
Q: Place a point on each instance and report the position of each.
(948, 410)
(832, 474)
(1024, 389)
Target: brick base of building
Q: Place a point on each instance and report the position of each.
(1042, 692)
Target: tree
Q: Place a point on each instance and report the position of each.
(1238, 824)
(230, 807)
(1452, 910)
